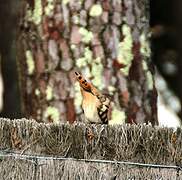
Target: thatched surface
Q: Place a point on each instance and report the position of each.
(64, 170)
(127, 143)
(143, 144)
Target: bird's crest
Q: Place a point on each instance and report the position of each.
(83, 82)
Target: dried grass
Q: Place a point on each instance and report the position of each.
(144, 144)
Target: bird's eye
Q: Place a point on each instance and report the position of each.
(84, 82)
(79, 77)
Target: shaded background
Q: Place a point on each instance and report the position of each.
(9, 12)
(166, 47)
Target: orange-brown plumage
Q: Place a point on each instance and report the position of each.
(94, 104)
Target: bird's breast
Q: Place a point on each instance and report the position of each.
(91, 114)
(90, 105)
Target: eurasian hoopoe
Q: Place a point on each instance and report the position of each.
(95, 105)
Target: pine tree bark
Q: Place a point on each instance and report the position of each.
(105, 40)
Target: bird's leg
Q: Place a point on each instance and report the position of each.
(90, 135)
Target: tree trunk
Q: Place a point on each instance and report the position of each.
(8, 25)
(105, 40)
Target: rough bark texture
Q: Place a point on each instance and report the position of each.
(143, 144)
(105, 40)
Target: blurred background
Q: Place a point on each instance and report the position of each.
(165, 43)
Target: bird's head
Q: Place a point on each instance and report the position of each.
(83, 82)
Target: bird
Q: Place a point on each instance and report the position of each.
(95, 105)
